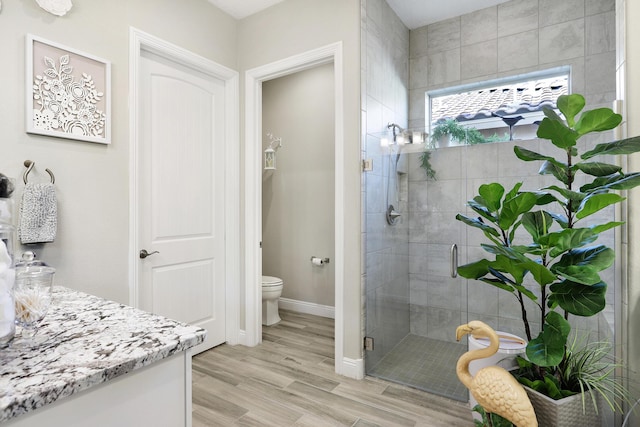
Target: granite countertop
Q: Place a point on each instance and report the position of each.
(90, 341)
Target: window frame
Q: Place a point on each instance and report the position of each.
(487, 123)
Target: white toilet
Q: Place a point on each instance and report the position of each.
(271, 291)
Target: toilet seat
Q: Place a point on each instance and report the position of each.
(268, 281)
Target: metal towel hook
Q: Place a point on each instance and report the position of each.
(29, 165)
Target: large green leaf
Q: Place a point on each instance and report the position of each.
(628, 182)
(533, 249)
(541, 274)
(507, 251)
(579, 299)
(597, 120)
(582, 265)
(560, 219)
(569, 238)
(508, 265)
(513, 208)
(597, 168)
(596, 202)
(475, 222)
(547, 349)
(537, 223)
(622, 146)
(587, 275)
(492, 195)
(574, 197)
(529, 156)
(601, 183)
(513, 192)
(560, 135)
(526, 292)
(544, 198)
(497, 283)
(551, 113)
(570, 106)
(474, 270)
(479, 207)
(499, 276)
(560, 172)
(600, 228)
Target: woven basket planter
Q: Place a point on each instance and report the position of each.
(567, 412)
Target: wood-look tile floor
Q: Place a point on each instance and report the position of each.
(289, 380)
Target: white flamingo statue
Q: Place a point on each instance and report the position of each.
(495, 389)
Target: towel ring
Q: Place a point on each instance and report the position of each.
(29, 165)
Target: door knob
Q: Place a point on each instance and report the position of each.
(144, 253)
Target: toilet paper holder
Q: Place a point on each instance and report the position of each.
(319, 261)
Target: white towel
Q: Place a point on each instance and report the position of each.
(38, 214)
(7, 310)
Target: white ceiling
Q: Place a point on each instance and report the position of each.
(242, 8)
(414, 13)
(418, 13)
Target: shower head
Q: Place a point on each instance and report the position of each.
(398, 134)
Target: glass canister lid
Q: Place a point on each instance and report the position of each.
(28, 262)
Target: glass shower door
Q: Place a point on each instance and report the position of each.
(413, 305)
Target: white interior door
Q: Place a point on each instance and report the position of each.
(181, 195)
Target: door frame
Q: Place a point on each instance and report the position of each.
(140, 41)
(254, 78)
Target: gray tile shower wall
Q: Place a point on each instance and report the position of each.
(514, 38)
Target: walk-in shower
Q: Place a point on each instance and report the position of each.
(412, 303)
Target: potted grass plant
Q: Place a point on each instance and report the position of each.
(557, 265)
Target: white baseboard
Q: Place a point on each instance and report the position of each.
(242, 337)
(352, 368)
(307, 307)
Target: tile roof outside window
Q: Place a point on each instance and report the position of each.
(503, 100)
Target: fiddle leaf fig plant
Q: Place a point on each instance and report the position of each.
(560, 255)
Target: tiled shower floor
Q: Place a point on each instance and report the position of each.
(426, 364)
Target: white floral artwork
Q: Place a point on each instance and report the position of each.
(67, 92)
(56, 7)
(67, 104)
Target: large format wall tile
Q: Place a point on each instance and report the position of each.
(444, 35)
(517, 16)
(555, 12)
(518, 51)
(562, 41)
(443, 67)
(601, 76)
(601, 33)
(480, 59)
(479, 26)
(598, 6)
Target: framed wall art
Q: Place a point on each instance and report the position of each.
(68, 92)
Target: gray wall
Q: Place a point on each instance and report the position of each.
(512, 38)
(385, 83)
(298, 198)
(91, 252)
(92, 180)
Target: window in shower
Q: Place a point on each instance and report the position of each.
(499, 110)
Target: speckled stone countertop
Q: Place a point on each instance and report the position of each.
(89, 341)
